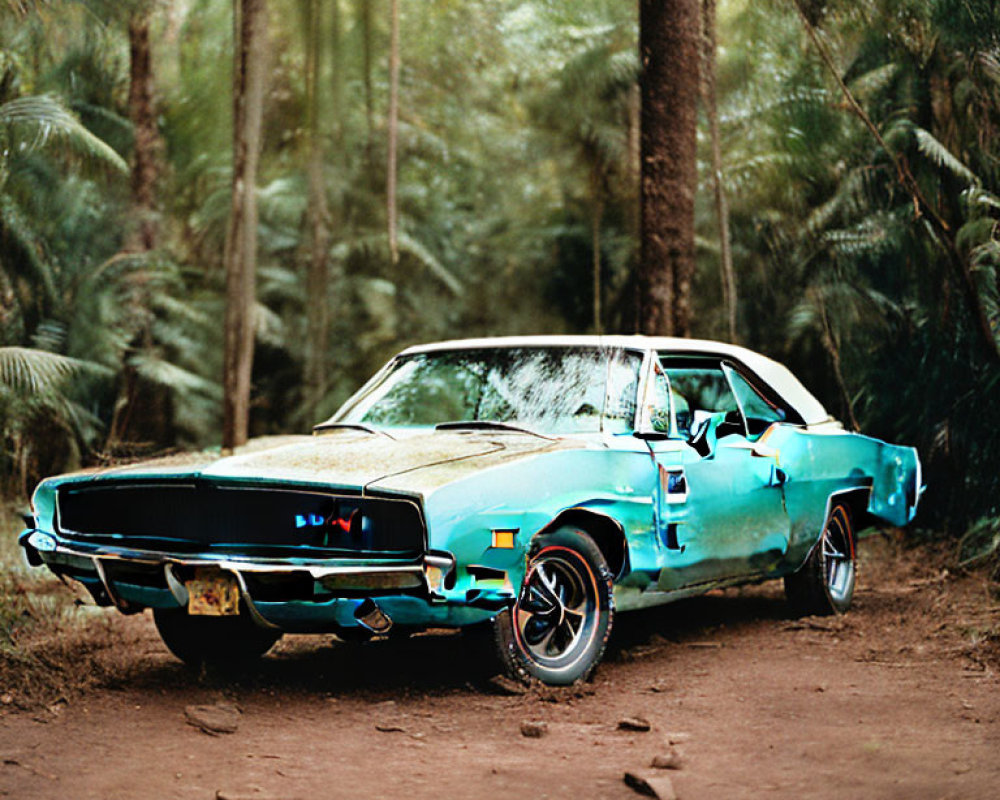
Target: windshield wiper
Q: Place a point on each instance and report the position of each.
(486, 425)
(353, 426)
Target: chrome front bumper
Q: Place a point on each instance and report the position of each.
(429, 573)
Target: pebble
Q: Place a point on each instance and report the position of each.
(534, 729)
(655, 785)
(634, 724)
(670, 759)
(213, 720)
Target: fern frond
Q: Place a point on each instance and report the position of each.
(26, 370)
(161, 372)
(376, 247)
(32, 123)
(942, 157)
(407, 244)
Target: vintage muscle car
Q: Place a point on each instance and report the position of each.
(532, 487)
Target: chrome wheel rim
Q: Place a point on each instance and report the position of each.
(838, 557)
(556, 614)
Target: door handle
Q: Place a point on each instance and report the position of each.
(778, 476)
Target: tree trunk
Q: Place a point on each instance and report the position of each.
(142, 115)
(146, 153)
(241, 237)
(832, 348)
(337, 82)
(317, 278)
(669, 33)
(390, 192)
(365, 12)
(596, 214)
(633, 173)
(721, 203)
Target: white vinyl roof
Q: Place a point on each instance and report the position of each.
(775, 375)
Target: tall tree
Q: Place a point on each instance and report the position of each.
(146, 158)
(390, 194)
(250, 50)
(142, 114)
(710, 102)
(364, 12)
(317, 279)
(669, 35)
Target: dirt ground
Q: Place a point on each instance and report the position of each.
(898, 699)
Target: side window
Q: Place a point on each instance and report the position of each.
(659, 411)
(621, 390)
(758, 410)
(697, 385)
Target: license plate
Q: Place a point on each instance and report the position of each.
(212, 593)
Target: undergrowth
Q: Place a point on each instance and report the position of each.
(50, 647)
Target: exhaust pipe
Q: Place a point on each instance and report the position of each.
(372, 617)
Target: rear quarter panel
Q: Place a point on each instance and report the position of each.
(822, 463)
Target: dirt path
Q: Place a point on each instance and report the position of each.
(897, 699)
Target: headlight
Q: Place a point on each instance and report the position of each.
(43, 542)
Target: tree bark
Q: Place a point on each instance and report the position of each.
(146, 154)
(669, 33)
(337, 81)
(728, 274)
(317, 278)
(249, 69)
(365, 13)
(142, 114)
(596, 214)
(390, 192)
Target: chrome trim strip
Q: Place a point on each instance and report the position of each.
(255, 615)
(177, 589)
(316, 569)
(99, 568)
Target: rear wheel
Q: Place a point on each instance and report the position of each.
(221, 641)
(825, 583)
(558, 628)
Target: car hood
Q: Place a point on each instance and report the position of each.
(365, 460)
(415, 464)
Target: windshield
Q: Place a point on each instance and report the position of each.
(545, 389)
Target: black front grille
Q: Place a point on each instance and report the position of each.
(195, 516)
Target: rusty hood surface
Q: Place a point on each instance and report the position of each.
(415, 464)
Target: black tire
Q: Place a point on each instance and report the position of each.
(558, 628)
(216, 641)
(825, 583)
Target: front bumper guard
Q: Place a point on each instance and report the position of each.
(432, 571)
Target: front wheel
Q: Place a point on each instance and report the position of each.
(217, 641)
(825, 583)
(557, 630)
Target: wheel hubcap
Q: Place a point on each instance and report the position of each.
(555, 612)
(838, 558)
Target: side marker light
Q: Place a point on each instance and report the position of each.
(503, 539)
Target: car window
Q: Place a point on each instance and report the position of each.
(759, 411)
(548, 389)
(659, 405)
(697, 384)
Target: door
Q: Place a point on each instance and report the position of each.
(720, 505)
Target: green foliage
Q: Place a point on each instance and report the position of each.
(829, 241)
(516, 161)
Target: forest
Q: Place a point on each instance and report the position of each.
(451, 168)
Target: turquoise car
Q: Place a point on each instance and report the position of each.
(532, 488)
